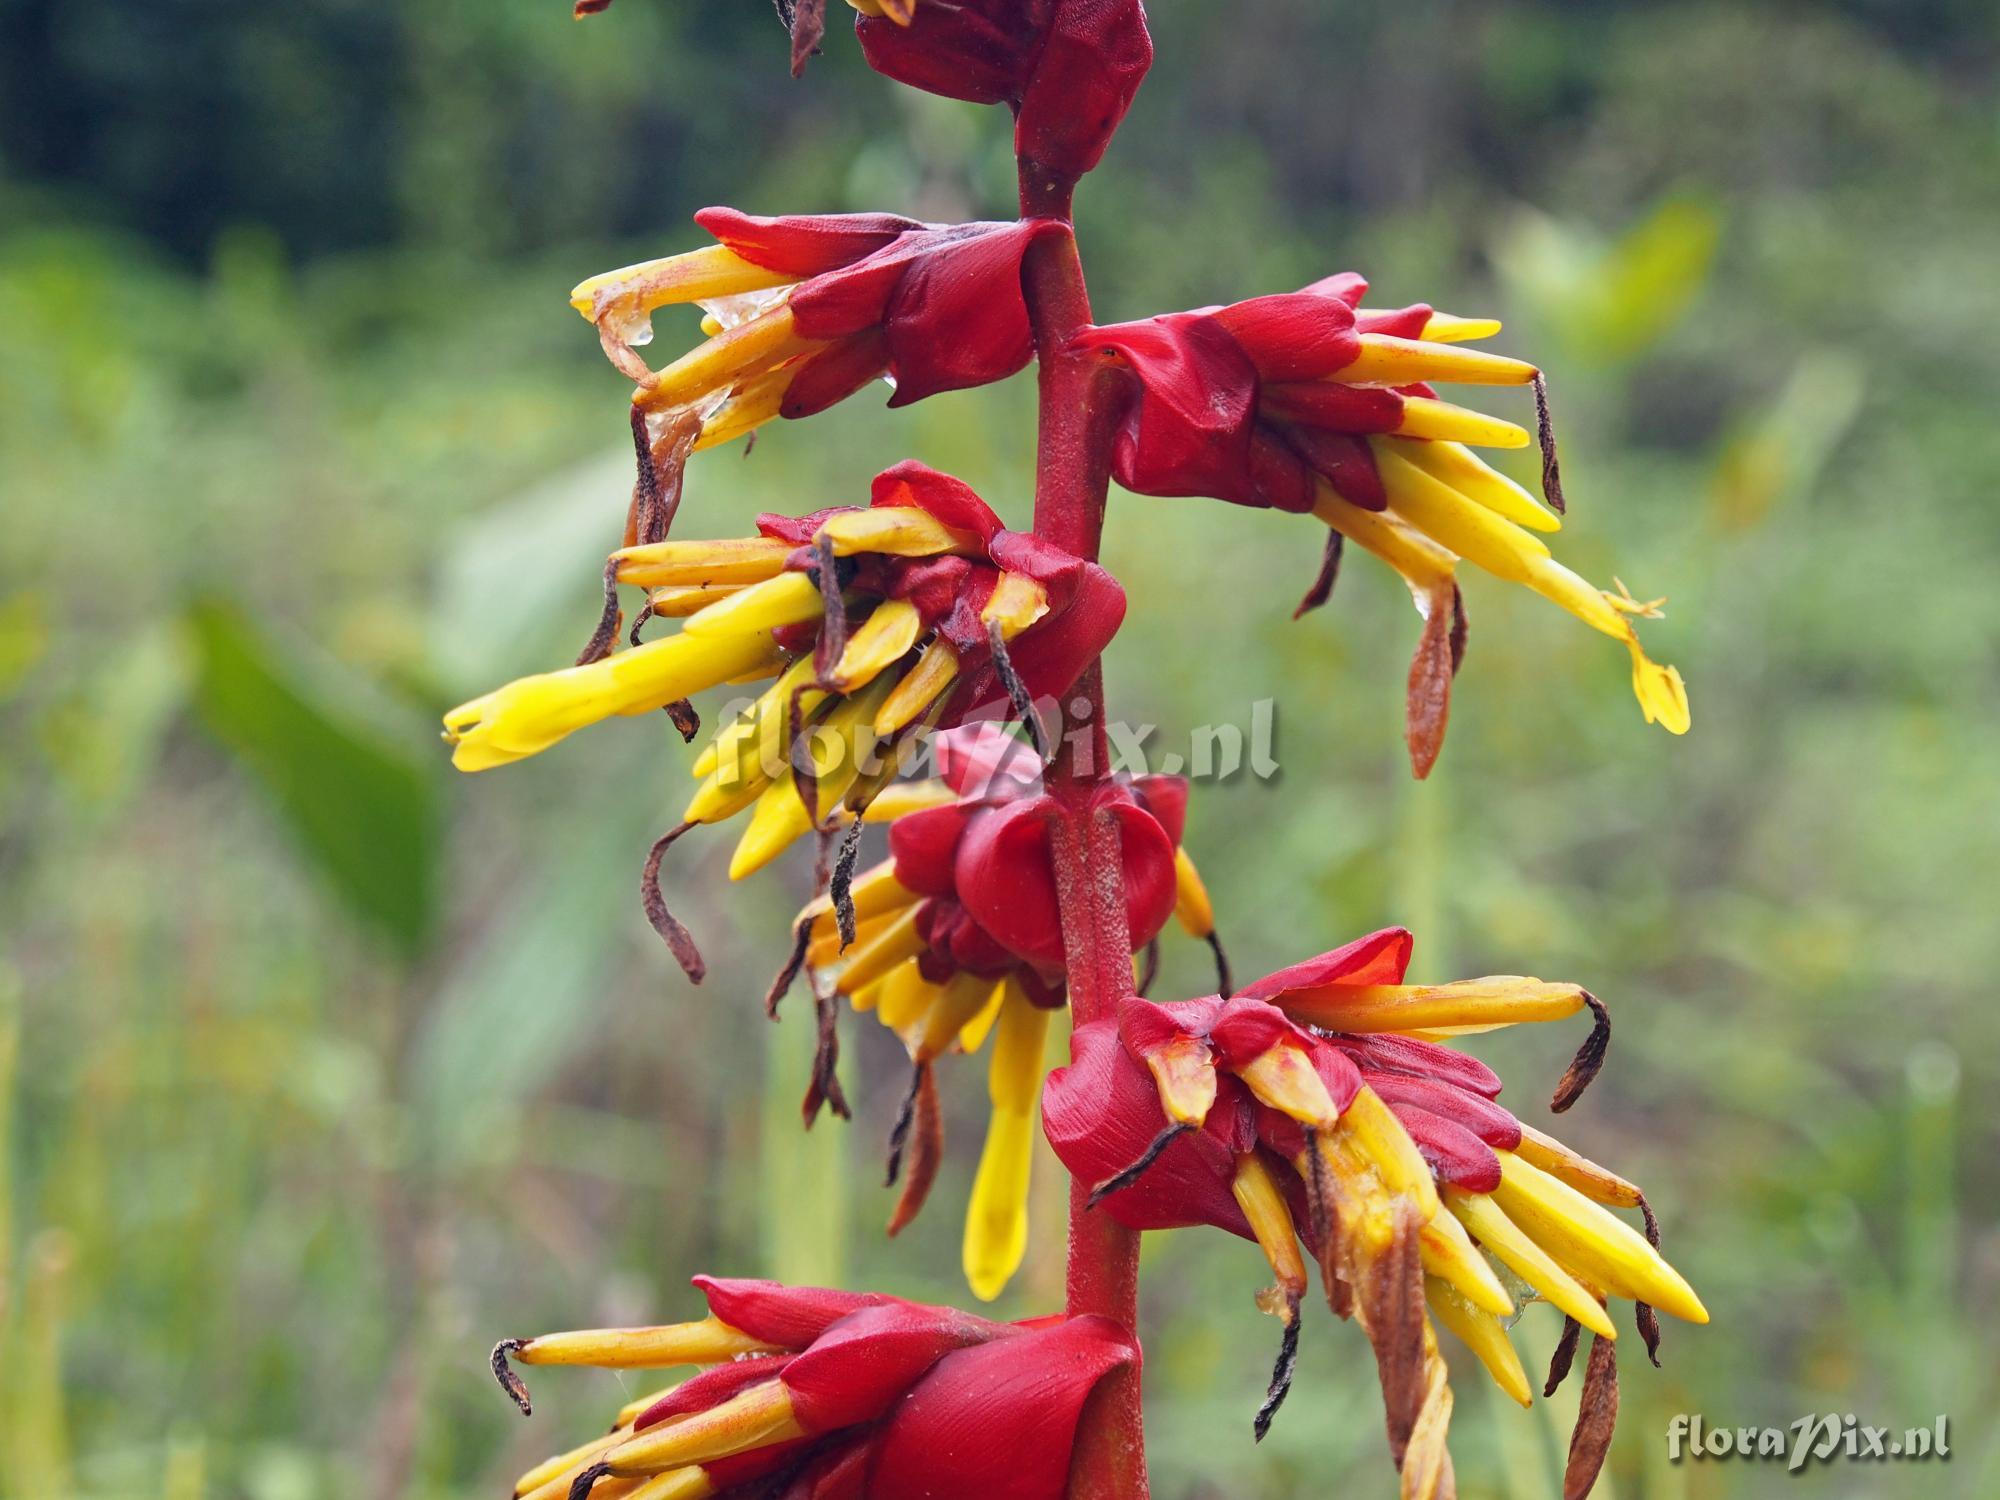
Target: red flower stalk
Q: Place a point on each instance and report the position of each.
(803, 311)
(814, 1394)
(1404, 1174)
(957, 935)
(1067, 68)
(1306, 401)
(874, 622)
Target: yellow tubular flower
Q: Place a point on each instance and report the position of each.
(996, 1221)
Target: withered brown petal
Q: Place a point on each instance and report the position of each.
(677, 938)
(1596, 1417)
(926, 1150)
(1329, 573)
(1589, 1057)
(1427, 706)
(1393, 1313)
(1545, 436)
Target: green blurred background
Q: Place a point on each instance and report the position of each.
(321, 1069)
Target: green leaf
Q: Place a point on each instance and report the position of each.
(363, 807)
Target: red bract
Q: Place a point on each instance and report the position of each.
(957, 936)
(1068, 68)
(988, 854)
(1266, 401)
(825, 1395)
(806, 309)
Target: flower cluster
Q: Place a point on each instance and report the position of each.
(804, 311)
(828, 1395)
(1307, 401)
(1317, 1105)
(1323, 1112)
(871, 622)
(957, 937)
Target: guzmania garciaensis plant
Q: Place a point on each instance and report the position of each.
(1323, 1112)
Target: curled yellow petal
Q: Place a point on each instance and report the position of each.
(749, 405)
(901, 798)
(1483, 1334)
(1017, 601)
(679, 601)
(840, 746)
(1184, 1072)
(1284, 1078)
(565, 1466)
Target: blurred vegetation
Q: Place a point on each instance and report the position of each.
(320, 1070)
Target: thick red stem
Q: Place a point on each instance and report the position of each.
(1072, 474)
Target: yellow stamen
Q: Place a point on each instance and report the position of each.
(750, 348)
(1191, 904)
(1500, 1234)
(1184, 1073)
(1469, 474)
(1498, 1000)
(1017, 602)
(868, 962)
(741, 559)
(707, 1342)
(1592, 1240)
(1483, 1334)
(788, 599)
(1387, 360)
(896, 530)
(699, 275)
(935, 671)
(1580, 1172)
(1263, 1204)
(532, 713)
(1449, 1254)
(756, 1418)
(996, 1221)
(1424, 417)
(838, 747)
(880, 642)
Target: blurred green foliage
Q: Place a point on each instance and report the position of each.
(319, 1070)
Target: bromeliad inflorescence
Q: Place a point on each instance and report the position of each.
(897, 658)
